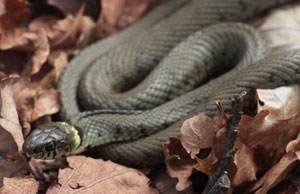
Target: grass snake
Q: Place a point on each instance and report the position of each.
(128, 93)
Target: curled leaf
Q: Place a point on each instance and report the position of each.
(199, 132)
(282, 102)
(179, 163)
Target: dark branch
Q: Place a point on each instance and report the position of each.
(220, 182)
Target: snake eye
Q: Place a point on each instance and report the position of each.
(50, 146)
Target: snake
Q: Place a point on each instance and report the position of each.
(125, 95)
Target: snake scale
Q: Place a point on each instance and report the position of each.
(128, 93)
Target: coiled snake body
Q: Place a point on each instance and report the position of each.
(127, 94)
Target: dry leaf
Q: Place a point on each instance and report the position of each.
(23, 96)
(12, 13)
(40, 54)
(260, 145)
(281, 27)
(36, 99)
(118, 14)
(72, 6)
(9, 118)
(88, 175)
(34, 44)
(69, 34)
(164, 183)
(11, 136)
(199, 132)
(59, 59)
(282, 102)
(10, 161)
(277, 173)
(46, 103)
(19, 185)
(179, 163)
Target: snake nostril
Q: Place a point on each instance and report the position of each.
(25, 147)
(28, 148)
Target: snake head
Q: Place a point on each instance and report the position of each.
(53, 140)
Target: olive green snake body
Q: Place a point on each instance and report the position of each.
(128, 93)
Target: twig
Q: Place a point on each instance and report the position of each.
(222, 113)
(220, 182)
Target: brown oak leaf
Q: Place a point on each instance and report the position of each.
(88, 175)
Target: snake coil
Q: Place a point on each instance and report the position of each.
(128, 93)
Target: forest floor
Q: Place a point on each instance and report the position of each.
(38, 38)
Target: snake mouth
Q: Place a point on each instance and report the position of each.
(42, 155)
(38, 155)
